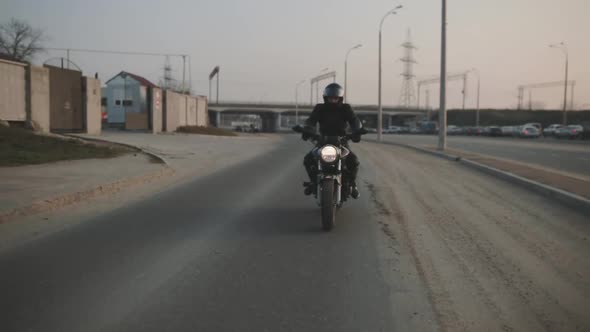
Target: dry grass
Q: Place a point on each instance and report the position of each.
(19, 146)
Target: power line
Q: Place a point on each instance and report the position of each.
(112, 52)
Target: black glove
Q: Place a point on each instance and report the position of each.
(305, 136)
(355, 138)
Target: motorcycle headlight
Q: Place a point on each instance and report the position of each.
(328, 154)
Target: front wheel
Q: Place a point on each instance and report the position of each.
(328, 206)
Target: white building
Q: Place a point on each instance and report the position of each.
(126, 95)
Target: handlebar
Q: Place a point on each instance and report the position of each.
(316, 137)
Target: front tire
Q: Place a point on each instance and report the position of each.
(328, 206)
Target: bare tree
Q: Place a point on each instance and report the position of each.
(19, 40)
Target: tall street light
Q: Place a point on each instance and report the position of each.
(380, 115)
(474, 70)
(297, 101)
(563, 47)
(346, 68)
(442, 112)
(317, 88)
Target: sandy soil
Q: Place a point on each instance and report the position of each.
(493, 257)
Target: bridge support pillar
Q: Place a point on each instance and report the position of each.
(218, 119)
(277, 122)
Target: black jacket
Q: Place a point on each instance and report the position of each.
(333, 119)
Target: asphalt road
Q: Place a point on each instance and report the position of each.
(243, 250)
(573, 157)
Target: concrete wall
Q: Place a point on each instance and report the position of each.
(12, 91)
(191, 111)
(183, 110)
(171, 110)
(92, 97)
(39, 97)
(156, 110)
(202, 111)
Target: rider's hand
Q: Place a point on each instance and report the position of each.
(305, 136)
(355, 138)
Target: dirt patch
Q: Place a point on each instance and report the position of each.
(493, 257)
(19, 146)
(205, 131)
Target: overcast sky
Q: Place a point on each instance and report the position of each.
(264, 47)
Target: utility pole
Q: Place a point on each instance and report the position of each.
(297, 101)
(183, 73)
(464, 89)
(563, 47)
(346, 70)
(380, 108)
(214, 73)
(427, 105)
(217, 89)
(474, 70)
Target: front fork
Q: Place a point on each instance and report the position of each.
(337, 177)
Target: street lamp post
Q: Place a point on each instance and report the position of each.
(346, 69)
(297, 101)
(474, 70)
(442, 113)
(380, 115)
(563, 47)
(317, 88)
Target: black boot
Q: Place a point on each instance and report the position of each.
(354, 192)
(310, 188)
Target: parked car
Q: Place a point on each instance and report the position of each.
(428, 127)
(516, 131)
(534, 124)
(494, 131)
(404, 130)
(571, 132)
(586, 130)
(415, 130)
(453, 130)
(474, 131)
(550, 130)
(247, 129)
(393, 130)
(507, 130)
(529, 132)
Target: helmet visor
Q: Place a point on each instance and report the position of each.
(333, 91)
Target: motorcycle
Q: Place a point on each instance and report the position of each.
(333, 187)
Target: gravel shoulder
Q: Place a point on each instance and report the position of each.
(492, 256)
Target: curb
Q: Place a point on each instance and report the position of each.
(60, 201)
(572, 200)
(160, 159)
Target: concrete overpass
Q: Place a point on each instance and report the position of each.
(275, 117)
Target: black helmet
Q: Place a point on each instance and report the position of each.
(333, 90)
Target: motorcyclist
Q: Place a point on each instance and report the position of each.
(333, 116)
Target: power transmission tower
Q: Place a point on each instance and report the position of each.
(167, 74)
(407, 96)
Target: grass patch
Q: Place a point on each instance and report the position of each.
(205, 131)
(19, 146)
